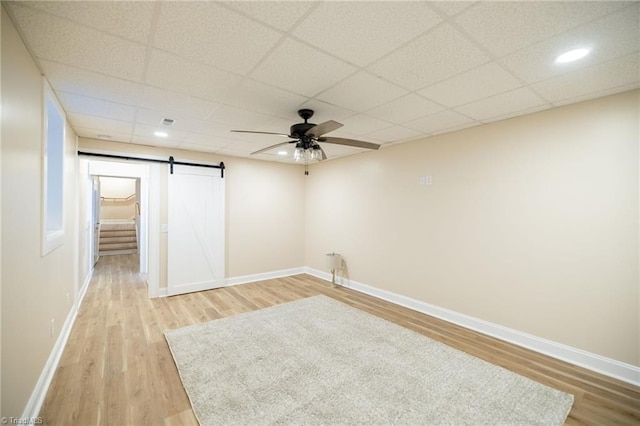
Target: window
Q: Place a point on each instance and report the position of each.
(52, 172)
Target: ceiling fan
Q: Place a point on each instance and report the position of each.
(307, 135)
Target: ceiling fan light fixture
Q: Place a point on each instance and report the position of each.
(316, 153)
(299, 154)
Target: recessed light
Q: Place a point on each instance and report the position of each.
(572, 55)
(167, 121)
(282, 153)
(161, 134)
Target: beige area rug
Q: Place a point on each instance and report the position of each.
(319, 361)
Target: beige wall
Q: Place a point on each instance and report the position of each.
(530, 223)
(264, 208)
(118, 209)
(34, 288)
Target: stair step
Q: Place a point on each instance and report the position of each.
(117, 226)
(114, 252)
(112, 240)
(111, 234)
(118, 246)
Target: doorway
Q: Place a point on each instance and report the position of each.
(118, 227)
(116, 176)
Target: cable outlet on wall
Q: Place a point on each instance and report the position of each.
(425, 180)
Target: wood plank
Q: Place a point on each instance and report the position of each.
(117, 368)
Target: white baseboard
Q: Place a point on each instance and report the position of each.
(39, 393)
(607, 366)
(244, 279)
(264, 276)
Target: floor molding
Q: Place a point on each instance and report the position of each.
(607, 366)
(244, 279)
(39, 393)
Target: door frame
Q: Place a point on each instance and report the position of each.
(149, 217)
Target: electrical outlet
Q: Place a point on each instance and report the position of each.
(425, 180)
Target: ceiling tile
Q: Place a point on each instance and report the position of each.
(107, 125)
(131, 20)
(440, 121)
(278, 125)
(176, 105)
(405, 109)
(152, 141)
(96, 107)
(607, 38)
(486, 80)
(180, 75)
(85, 132)
(344, 32)
(301, 69)
(208, 140)
(361, 92)
(598, 94)
(155, 118)
(504, 27)
(88, 83)
(441, 53)
(361, 124)
(609, 75)
(451, 8)
(200, 148)
(62, 41)
(256, 96)
(211, 33)
(144, 131)
(512, 114)
(280, 14)
(394, 134)
(221, 66)
(325, 111)
(239, 119)
(494, 106)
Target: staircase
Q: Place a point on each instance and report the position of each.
(117, 238)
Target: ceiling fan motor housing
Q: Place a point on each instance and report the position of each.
(298, 130)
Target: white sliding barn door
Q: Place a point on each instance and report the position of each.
(196, 241)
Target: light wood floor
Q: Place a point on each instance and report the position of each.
(117, 368)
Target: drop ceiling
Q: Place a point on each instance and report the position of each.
(390, 71)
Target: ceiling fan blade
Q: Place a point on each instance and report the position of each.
(322, 128)
(271, 147)
(350, 142)
(324, 156)
(261, 133)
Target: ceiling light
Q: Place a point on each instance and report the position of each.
(572, 55)
(283, 153)
(161, 134)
